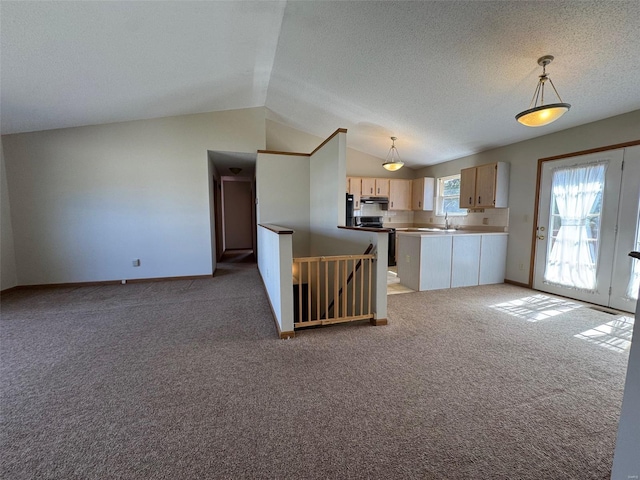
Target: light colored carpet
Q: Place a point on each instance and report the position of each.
(187, 379)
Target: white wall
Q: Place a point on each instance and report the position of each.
(626, 460)
(8, 260)
(275, 262)
(327, 191)
(327, 209)
(282, 190)
(523, 157)
(86, 201)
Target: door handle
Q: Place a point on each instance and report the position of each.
(540, 237)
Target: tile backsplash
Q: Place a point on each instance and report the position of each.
(494, 219)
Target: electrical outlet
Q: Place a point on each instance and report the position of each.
(521, 266)
(485, 221)
(136, 262)
(408, 258)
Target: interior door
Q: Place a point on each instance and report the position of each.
(576, 229)
(626, 270)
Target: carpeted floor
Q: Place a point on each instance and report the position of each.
(186, 379)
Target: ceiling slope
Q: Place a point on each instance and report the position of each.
(80, 63)
(445, 77)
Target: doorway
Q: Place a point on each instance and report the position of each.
(237, 213)
(587, 224)
(232, 200)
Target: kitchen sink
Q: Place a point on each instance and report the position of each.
(427, 229)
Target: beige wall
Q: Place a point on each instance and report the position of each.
(86, 201)
(286, 139)
(282, 193)
(523, 157)
(8, 261)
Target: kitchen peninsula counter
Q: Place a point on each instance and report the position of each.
(435, 259)
(432, 231)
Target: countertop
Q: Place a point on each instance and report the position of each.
(367, 229)
(418, 232)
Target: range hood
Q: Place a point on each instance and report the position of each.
(382, 201)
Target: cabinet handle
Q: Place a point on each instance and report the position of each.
(391, 204)
(479, 202)
(419, 204)
(470, 200)
(378, 191)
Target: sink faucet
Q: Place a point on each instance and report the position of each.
(446, 221)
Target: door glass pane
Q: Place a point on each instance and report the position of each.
(574, 226)
(634, 281)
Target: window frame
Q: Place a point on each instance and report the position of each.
(440, 197)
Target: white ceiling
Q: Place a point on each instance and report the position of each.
(445, 77)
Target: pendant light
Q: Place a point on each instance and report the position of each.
(539, 115)
(393, 162)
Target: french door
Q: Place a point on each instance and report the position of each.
(587, 224)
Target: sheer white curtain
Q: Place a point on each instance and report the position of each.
(634, 281)
(572, 258)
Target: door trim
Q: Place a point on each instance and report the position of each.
(541, 161)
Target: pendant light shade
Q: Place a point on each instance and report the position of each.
(538, 115)
(393, 162)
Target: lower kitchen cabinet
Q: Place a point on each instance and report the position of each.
(436, 261)
(493, 259)
(413, 262)
(465, 260)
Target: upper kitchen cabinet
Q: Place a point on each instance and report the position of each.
(354, 187)
(422, 194)
(485, 186)
(368, 186)
(399, 194)
(375, 187)
(382, 187)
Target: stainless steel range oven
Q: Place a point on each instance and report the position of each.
(376, 222)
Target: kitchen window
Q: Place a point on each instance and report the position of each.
(448, 196)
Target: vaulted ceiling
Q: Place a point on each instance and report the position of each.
(445, 77)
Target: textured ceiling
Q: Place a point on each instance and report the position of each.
(445, 77)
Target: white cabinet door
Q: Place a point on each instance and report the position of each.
(422, 194)
(435, 262)
(493, 259)
(408, 260)
(465, 262)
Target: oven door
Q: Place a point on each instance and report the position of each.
(392, 248)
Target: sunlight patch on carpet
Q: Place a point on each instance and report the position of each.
(536, 307)
(614, 335)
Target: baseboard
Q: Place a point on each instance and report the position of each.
(10, 289)
(376, 322)
(107, 282)
(517, 284)
(281, 334)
